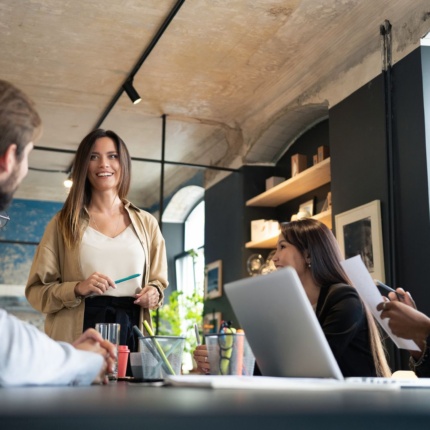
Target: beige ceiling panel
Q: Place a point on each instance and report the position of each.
(238, 80)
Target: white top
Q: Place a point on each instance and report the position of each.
(30, 357)
(116, 257)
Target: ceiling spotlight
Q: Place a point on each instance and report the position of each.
(68, 182)
(132, 93)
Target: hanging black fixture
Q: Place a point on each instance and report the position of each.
(131, 92)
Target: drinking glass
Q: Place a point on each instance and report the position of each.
(110, 332)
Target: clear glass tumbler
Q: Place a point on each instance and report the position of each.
(110, 332)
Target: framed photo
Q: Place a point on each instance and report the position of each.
(213, 280)
(359, 232)
(212, 323)
(307, 207)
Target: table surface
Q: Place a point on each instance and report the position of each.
(133, 404)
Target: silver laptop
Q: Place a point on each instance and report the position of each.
(281, 326)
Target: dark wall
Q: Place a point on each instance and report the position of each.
(359, 165)
(227, 227)
(361, 168)
(412, 198)
(224, 215)
(367, 164)
(173, 234)
(358, 147)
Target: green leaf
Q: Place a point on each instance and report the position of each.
(179, 315)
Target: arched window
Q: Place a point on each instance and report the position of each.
(194, 234)
(190, 264)
(186, 208)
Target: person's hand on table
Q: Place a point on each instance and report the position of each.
(148, 298)
(200, 355)
(92, 341)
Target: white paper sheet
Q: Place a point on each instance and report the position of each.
(273, 383)
(360, 277)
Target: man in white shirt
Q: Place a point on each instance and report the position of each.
(28, 356)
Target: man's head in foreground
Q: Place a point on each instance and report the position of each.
(20, 126)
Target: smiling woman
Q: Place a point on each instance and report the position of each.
(311, 249)
(98, 236)
(104, 174)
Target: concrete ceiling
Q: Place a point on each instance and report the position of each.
(239, 80)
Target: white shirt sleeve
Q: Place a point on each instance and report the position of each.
(29, 357)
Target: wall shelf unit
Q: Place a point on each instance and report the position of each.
(325, 218)
(270, 242)
(306, 181)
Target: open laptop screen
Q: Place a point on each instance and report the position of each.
(281, 326)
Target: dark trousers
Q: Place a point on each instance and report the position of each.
(120, 310)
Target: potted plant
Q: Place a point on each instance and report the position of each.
(177, 317)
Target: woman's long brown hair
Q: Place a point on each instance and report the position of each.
(315, 240)
(80, 194)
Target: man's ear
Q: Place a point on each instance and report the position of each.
(8, 159)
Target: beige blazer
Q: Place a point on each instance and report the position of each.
(56, 271)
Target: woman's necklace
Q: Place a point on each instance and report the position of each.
(93, 221)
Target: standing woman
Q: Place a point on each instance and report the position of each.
(96, 238)
(310, 247)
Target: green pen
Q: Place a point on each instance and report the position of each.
(127, 278)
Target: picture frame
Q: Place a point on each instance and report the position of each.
(212, 322)
(213, 280)
(359, 232)
(307, 207)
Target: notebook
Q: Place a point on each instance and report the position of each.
(281, 326)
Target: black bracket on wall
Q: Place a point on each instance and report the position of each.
(385, 31)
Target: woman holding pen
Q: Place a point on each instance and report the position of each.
(101, 259)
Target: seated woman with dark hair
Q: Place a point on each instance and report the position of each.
(311, 249)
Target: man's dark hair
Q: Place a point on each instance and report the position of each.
(19, 121)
